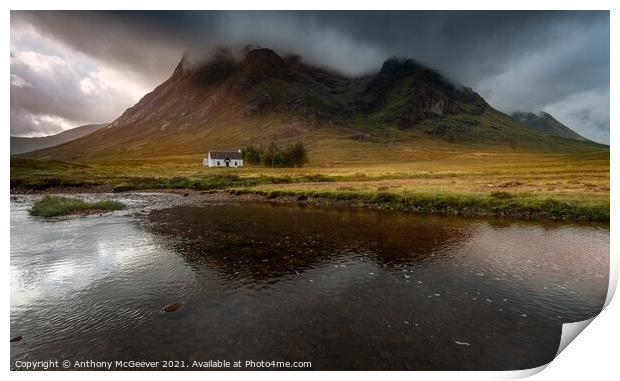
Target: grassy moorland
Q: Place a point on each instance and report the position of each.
(471, 182)
(51, 206)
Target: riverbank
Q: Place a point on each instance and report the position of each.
(497, 204)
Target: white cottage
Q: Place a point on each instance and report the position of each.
(223, 159)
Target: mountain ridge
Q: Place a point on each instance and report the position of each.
(225, 102)
(28, 144)
(546, 123)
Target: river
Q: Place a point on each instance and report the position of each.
(345, 289)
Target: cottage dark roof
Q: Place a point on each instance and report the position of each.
(223, 155)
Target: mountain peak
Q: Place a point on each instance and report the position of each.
(258, 65)
(543, 114)
(262, 56)
(400, 66)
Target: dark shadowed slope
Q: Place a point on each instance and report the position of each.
(228, 103)
(546, 123)
(22, 145)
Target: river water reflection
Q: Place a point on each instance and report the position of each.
(344, 289)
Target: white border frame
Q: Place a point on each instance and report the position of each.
(593, 353)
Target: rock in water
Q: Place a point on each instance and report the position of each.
(172, 307)
(16, 339)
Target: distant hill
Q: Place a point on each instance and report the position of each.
(228, 103)
(546, 123)
(21, 145)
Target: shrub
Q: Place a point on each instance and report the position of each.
(276, 156)
(252, 155)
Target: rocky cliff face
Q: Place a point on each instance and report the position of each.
(417, 93)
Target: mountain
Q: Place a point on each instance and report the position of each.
(22, 145)
(227, 103)
(546, 123)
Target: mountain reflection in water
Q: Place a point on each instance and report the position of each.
(345, 289)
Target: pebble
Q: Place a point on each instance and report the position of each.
(462, 343)
(172, 307)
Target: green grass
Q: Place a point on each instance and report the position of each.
(196, 183)
(494, 204)
(211, 182)
(50, 206)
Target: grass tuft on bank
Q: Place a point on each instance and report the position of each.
(51, 206)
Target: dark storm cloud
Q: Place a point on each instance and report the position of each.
(519, 61)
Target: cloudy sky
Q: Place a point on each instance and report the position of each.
(75, 68)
